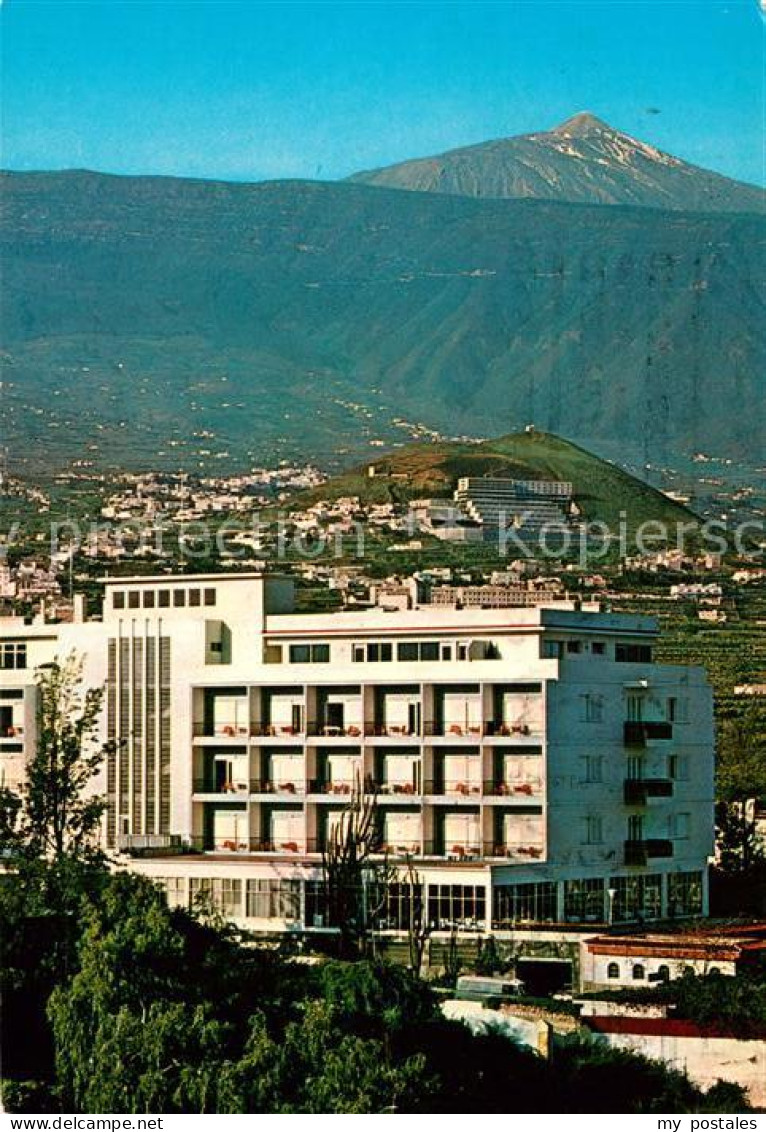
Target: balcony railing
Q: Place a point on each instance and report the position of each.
(277, 786)
(381, 729)
(640, 852)
(452, 787)
(338, 786)
(284, 846)
(203, 729)
(638, 732)
(453, 729)
(334, 731)
(517, 788)
(210, 786)
(276, 730)
(510, 728)
(639, 790)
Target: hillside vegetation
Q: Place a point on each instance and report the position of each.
(602, 491)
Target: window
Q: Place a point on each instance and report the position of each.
(179, 598)
(638, 971)
(594, 768)
(598, 648)
(148, 599)
(422, 650)
(194, 597)
(462, 650)
(613, 971)
(134, 599)
(533, 903)
(636, 898)
(594, 829)
(584, 900)
(118, 600)
(685, 894)
(679, 826)
(273, 899)
(223, 893)
(663, 973)
(456, 905)
(357, 653)
(635, 708)
(678, 767)
(209, 597)
(574, 646)
(552, 650)
(377, 652)
(175, 890)
(309, 654)
(593, 708)
(13, 654)
(633, 654)
(163, 599)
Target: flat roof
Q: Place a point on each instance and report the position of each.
(152, 579)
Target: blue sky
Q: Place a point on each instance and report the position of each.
(250, 90)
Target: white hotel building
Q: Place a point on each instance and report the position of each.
(536, 762)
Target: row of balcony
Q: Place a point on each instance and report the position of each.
(641, 852)
(459, 851)
(639, 732)
(344, 787)
(442, 729)
(638, 791)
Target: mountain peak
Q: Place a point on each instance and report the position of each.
(582, 123)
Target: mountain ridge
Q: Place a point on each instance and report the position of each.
(183, 322)
(582, 160)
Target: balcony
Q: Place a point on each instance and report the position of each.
(276, 786)
(453, 851)
(521, 853)
(381, 729)
(638, 791)
(529, 788)
(638, 732)
(641, 852)
(508, 729)
(276, 730)
(453, 788)
(287, 847)
(237, 786)
(220, 729)
(395, 789)
(334, 730)
(448, 730)
(341, 786)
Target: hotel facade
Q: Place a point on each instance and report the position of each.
(536, 765)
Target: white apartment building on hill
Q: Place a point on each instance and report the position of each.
(536, 763)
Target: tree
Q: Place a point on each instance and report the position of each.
(738, 842)
(58, 816)
(356, 871)
(418, 928)
(741, 764)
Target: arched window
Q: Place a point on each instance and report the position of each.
(613, 971)
(638, 971)
(714, 971)
(663, 973)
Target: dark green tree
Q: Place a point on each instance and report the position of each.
(60, 816)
